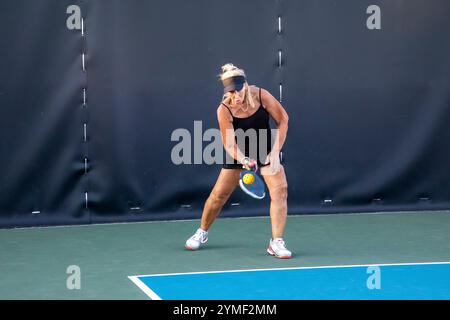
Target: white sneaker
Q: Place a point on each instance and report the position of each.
(277, 248)
(200, 237)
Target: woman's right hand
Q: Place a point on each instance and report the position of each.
(248, 163)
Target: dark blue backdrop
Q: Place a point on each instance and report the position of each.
(368, 108)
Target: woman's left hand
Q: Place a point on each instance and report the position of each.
(274, 159)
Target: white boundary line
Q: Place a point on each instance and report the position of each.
(297, 268)
(149, 292)
(290, 216)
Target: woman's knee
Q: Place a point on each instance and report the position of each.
(218, 198)
(279, 193)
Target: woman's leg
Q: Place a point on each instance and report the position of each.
(277, 185)
(278, 189)
(226, 183)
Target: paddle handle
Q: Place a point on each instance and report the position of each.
(246, 163)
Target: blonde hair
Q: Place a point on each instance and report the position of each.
(228, 71)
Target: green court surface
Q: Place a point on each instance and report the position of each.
(34, 261)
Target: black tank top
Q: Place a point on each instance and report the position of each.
(259, 121)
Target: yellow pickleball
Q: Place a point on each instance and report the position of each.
(248, 178)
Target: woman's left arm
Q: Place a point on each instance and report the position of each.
(279, 114)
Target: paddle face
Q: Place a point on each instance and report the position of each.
(252, 184)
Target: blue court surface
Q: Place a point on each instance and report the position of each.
(421, 281)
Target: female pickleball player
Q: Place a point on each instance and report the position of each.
(248, 107)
